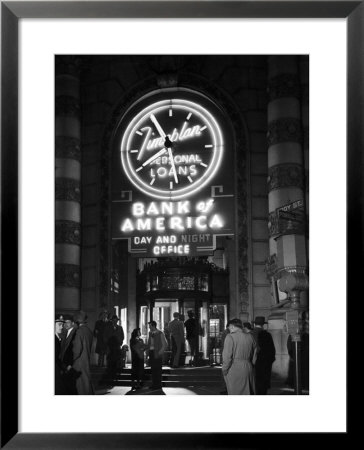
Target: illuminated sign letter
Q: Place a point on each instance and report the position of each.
(199, 224)
(127, 226)
(159, 224)
(176, 223)
(216, 222)
(183, 207)
(145, 224)
(138, 209)
(152, 210)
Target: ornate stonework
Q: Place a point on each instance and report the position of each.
(284, 85)
(285, 175)
(284, 130)
(271, 265)
(68, 232)
(68, 189)
(68, 275)
(68, 147)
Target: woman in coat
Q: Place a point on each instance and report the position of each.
(137, 348)
(238, 356)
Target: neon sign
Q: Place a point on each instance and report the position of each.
(172, 149)
(175, 192)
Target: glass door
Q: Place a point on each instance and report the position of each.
(217, 324)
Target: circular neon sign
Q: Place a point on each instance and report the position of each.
(172, 148)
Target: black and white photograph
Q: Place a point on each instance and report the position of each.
(181, 224)
(181, 192)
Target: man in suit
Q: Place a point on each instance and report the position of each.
(59, 384)
(157, 344)
(81, 355)
(177, 334)
(265, 356)
(67, 354)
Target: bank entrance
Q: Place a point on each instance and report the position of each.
(184, 285)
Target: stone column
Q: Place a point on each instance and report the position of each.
(67, 182)
(287, 263)
(286, 177)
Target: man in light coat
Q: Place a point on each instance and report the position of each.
(177, 332)
(157, 344)
(238, 357)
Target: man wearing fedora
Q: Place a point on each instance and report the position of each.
(81, 355)
(266, 355)
(237, 360)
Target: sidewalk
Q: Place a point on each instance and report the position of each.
(102, 388)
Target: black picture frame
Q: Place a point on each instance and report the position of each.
(11, 12)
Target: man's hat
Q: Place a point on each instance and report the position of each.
(68, 317)
(260, 320)
(80, 317)
(59, 318)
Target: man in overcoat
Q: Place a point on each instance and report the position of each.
(114, 337)
(238, 357)
(157, 344)
(60, 388)
(81, 355)
(69, 375)
(265, 356)
(177, 333)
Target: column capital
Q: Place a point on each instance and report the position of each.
(293, 281)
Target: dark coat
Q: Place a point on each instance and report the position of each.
(265, 358)
(60, 388)
(81, 359)
(69, 376)
(99, 333)
(114, 336)
(66, 354)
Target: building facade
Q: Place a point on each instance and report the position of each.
(258, 265)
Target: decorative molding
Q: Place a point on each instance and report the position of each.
(67, 106)
(293, 278)
(285, 175)
(271, 265)
(284, 85)
(167, 80)
(68, 232)
(68, 189)
(284, 130)
(68, 275)
(68, 147)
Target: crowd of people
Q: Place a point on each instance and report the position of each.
(247, 352)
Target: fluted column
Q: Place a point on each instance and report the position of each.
(67, 181)
(286, 177)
